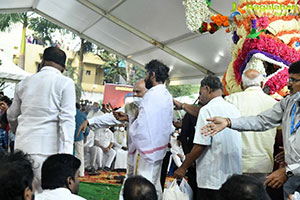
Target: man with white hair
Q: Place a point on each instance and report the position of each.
(257, 147)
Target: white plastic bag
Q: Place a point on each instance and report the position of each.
(295, 196)
(173, 192)
(186, 189)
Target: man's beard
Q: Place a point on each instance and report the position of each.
(148, 83)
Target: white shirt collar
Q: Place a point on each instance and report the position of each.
(51, 69)
(158, 87)
(216, 99)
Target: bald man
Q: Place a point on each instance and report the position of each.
(108, 119)
(257, 147)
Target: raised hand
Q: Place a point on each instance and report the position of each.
(3, 106)
(217, 124)
(120, 116)
(178, 105)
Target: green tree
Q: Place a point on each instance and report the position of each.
(134, 73)
(71, 73)
(6, 20)
(43, 29)
(138, 73)
(111, 66)
(183, 90)
(85, 47)
(39, 25)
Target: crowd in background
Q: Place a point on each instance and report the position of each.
(225, 146)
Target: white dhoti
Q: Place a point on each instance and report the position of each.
(79, 153)
(121, 158)
(108, 157)
(37, 170)
(150, 171)
(96, 157)
(87, 156)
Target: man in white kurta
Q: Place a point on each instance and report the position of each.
(108, 119)
(257, 147)
(92, 154)
(120, 146)
(217, 158)
(104, 141)
(151, 130)
(42, 114)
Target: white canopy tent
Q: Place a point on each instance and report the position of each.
(9, 71)
(140, 30)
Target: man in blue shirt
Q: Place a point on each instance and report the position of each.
(79, 138)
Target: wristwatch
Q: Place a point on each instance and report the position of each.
(289, 173)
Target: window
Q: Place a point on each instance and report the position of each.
(88, 72)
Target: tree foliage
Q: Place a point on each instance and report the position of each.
(43, 29)
(71, 73)
(111, 66)
(138, 73)
(7, 20)
(183, 90)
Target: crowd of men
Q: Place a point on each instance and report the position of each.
(225, 146)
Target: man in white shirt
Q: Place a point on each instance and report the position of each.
(217, 157)
(60, 178)
(108, 119)
(151, 129)
(120, 146)
(257, 147)
(104, 140)
(284, 113)
(42, 114)
(93, 155)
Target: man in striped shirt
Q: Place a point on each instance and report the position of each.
(217, 158)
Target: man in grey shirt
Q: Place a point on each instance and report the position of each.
(285, 113)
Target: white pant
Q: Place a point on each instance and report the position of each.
(129, 172)
(150, 171)
(37, 170)
(121, 158)
(104, 159)
(79, 153)
(108, 158)
(93, 157)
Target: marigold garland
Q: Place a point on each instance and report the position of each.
(220, 20)
(293, 40)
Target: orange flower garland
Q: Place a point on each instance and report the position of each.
(220, 20)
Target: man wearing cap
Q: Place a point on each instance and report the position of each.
(42, 114)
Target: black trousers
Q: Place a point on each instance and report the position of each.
(192, 180)
(207, 194)
(164, 169)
